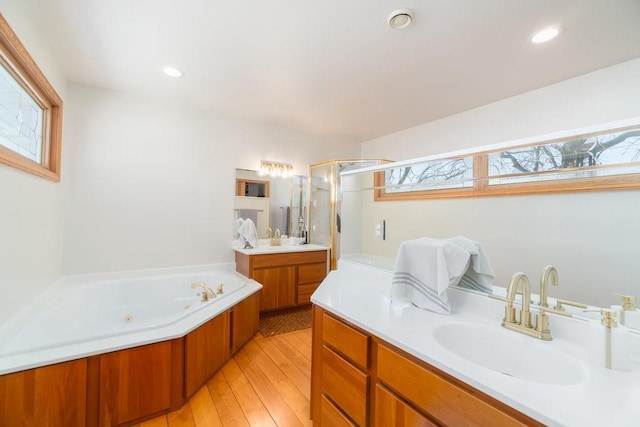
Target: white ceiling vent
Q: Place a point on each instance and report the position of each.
(400, 18)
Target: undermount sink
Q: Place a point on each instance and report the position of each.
(510, 353)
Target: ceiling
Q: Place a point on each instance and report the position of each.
(335, 67)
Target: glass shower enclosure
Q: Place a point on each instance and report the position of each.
(325, 223)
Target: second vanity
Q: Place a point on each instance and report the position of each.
(378, 363)
(289, 274)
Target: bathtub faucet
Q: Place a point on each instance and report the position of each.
(207, 293)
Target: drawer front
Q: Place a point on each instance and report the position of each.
(290, 258)
(345, 385)
(331, 416)
(346, 340)
(312, 273)
(446, 402)
(305, 292)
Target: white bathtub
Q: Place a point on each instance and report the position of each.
(94, 314)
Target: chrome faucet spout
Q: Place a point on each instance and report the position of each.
(548, 273)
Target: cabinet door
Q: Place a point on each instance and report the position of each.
(206, 349)
(391, 411)
(279, 286)
(443, 400)
(53, 395)
(135, 383)
(244, 321)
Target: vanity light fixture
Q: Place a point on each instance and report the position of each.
(400, 18)
(172, 72)
(275, 169)
(546, 34)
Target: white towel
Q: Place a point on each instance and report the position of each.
(248, 232)
(424, 270)
(239, 223)
(479, 275)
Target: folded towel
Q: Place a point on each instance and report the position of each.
(248, 232)
(479, 275)
(424, 269)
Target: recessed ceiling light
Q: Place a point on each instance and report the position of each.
(545, 35)
(400, 18)
(173, 72)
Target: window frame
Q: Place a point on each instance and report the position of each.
(23, 68)
(481, 187)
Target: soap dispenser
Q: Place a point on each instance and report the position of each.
(609, 346)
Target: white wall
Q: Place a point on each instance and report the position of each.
(591, 237)
(152, 185)
(603, 96)
(30, 207)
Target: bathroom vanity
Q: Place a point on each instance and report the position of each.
(289, 274)
(383, 364)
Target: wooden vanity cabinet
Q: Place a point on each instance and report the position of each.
(288, 279)
(359, 379)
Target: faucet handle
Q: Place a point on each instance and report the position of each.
(544, 310)
(509, 310)
(628, 302)
(608, 318)
(561, 302)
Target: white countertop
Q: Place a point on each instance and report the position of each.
(360, 295)
(266, 249)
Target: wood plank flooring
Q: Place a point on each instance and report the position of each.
(266, 383)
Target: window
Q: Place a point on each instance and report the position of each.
(603, 160)
(30, 111)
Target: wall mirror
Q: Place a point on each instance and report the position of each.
(591, 237)
(270, 202)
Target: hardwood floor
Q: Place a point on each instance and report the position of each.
(267, 383)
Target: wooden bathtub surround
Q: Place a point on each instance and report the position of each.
(358, 379)
(288, 279)
(54, 394)
(127, 386)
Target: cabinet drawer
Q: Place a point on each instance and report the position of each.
(331, 416)
(293, 258)
(305, 292)
(446, 402)
(346, 385)
(312, 273)
(346, 340)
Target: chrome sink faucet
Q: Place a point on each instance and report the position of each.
(207, 292)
